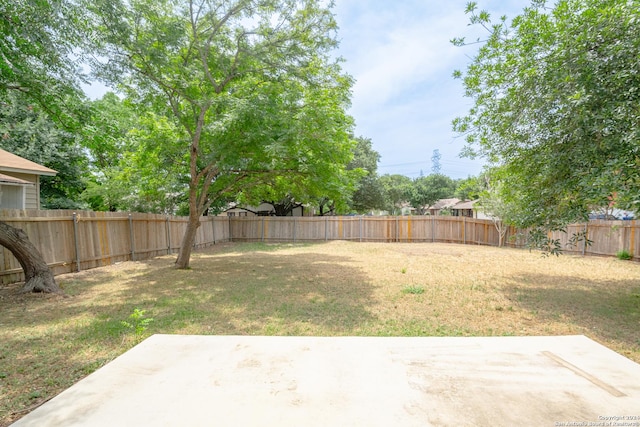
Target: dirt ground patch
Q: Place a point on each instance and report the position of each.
(48, 343)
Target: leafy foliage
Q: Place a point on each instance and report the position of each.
(109, 140)
(248, 84)
(369, 193)
(555, 102)
(396, 190)
(26, 131)
(503, 212)
(137, 323)
(624, 255)
(426, 190)
(470, 188)
(38, 50)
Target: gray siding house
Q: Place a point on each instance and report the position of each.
(20, 181)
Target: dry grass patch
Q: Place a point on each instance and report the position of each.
(47, 343)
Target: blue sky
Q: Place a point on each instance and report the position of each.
(405, 97)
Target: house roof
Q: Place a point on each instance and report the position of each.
(465, 205)
(444, 203)
(12, 163)
(12, 180)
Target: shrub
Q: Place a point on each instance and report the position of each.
(624, 254)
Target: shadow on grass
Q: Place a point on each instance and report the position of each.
(50, 342)
(257, 293)
(226, 293)
(609, 310)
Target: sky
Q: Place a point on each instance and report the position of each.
(405, 97)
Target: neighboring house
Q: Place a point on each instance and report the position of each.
(469, 210)
(238, 211)
(20, 181)
(464, 209)
(440, 205)
(264, 209)
(407, 209)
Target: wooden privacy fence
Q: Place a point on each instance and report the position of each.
(74, 241)
(365, 229)
(79, 240)
(608, 237)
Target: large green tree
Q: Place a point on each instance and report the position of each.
(249, 84)
(470, 188)
(132, 168)
(107, 142)
(396, 190)
(369, 193)
(491, 201)
(556, 101)
(326, 179)
(25, 130)
(38, 57)
(426, 190)
(39, 52)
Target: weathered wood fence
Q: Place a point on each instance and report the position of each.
(608, 237)
(73, 241)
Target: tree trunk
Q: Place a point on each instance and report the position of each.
(38, 276)
(187, 241)
(501, 228)
(285, 208)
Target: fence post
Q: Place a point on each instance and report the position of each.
(584, 243)
(168, 227)
(360, 228)
(131, 238)
(397, 229)
(213, 229)
(229, 228)
(433, 228)
(294, 229)
(632, 242)
(464, 231)
(75, 239)
(262, 231)
(326, 228)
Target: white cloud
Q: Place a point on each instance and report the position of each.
(404, 98)
(405, 52)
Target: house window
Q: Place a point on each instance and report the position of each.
(11, 197)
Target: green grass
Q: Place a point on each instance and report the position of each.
(413, 289)
(624, 255)
(47, 343)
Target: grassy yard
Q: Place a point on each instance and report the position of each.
(47, 343)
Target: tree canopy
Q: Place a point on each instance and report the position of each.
(368, 194)
(556, 96)
(426, 190)
(248, 88)
(25, 130)
(39, 43)
(396, 189)
(37, 66)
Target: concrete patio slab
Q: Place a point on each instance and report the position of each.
(171, 380)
